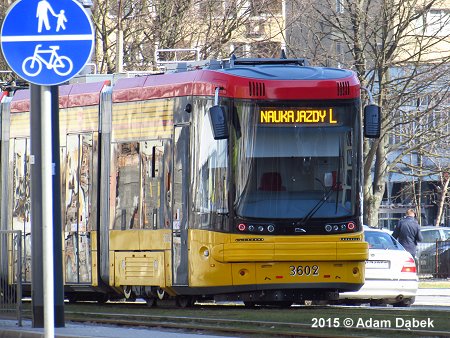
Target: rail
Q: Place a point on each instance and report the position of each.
(434, 259)
(11, 273)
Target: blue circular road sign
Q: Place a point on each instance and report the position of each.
(47, 42)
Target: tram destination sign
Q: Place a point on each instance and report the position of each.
(47, 42)
(304, 116)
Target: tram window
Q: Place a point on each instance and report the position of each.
(77, 168)
(151, 164)
(137, 184)
(210, 176)
(126, 163)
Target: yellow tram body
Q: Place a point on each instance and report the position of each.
(156, 204)
(220, 260)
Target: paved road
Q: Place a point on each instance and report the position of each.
(427, 298)
(9, 329)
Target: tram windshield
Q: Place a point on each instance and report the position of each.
(294, 161)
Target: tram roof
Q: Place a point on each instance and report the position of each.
(259, 81)
(71, 95)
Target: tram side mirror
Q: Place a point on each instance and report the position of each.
(372, 121)
(218, 122)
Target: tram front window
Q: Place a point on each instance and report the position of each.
(285, 171)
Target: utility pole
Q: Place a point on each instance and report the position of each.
(119, 40)
(283, 18)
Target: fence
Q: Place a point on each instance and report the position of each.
(11, 274)
(434, 260)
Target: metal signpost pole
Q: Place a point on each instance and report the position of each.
(37, 274)
(47, 214)
(57, 227)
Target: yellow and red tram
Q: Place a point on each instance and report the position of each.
(233, 182)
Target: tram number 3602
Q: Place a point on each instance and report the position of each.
(304, 270)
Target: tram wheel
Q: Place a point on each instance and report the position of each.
(161, 294)
(128, 293)
(185, 301)
(275, 304)
(285, 304)
(102, 299)
(72, 299)
(151, 302)
(404, 303)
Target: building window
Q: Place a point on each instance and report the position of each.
(339, 54)
(340, 6)
(264, 8)
(437, 23)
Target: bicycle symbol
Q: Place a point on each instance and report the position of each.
(32, 65)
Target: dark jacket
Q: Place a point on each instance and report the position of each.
(408, 234)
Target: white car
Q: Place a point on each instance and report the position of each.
(391, 275)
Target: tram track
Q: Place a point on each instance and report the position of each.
(239, 321)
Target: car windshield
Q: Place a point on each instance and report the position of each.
(446, 234)
(381, 240)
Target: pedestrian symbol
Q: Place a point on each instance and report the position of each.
(43, 8)
(61, 21)
(51, 48)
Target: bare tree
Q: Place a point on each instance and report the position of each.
(234, 25)
(397, 53)
(432, 161)
(214, 27)
(6, 76)
(443, 197)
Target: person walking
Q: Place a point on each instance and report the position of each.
(408, 233)
(61, 22)
(42, 10)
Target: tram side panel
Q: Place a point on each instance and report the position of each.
(79, 116)
(140, 196)
(210, 219)
(80, 166)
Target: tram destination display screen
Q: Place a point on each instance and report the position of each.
(299, 116)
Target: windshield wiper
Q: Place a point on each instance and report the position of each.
(324, 198)
(315, 208)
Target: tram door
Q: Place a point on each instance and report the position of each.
(77, 195)
(180, 184)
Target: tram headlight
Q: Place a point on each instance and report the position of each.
(253, 228)
(351, 226)
(241, 227)
(343, 227)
